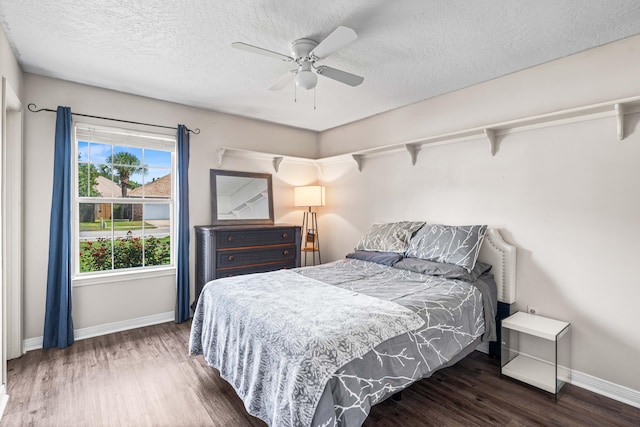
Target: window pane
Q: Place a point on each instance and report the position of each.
(95, 255)
(157, 159)
(127, 251)
(157, 183)
(134, 188)
(127, 232)
(127, 168)
(95, 220)
(99, 153)
(83, 179)
(127, 156)
(95, 236)
(123, 215)
(157, 234)
(104, 185)
(83, 151)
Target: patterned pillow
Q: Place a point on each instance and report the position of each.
(459, 245)
(388, 237)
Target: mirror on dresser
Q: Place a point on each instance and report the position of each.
(242, 237)
(241, 198)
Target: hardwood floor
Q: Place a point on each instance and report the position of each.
(145, 377)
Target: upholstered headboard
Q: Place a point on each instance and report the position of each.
(502, 256)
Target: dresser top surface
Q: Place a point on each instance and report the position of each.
(244, 227)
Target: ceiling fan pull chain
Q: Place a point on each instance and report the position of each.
(314, 97)
(295, 93)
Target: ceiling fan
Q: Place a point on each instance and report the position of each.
(305, 53)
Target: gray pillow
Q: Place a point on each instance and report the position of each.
(384, 258)
(388, 237)
(458, 245)
(448, 271)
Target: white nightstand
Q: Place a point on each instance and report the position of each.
(537, 351)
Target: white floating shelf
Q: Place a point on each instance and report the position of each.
(538, 326)
(532, 371)
(489, 133)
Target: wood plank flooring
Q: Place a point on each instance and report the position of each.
(145, 377)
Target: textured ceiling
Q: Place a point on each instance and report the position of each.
(407, 50)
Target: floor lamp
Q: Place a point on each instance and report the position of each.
(309, 196)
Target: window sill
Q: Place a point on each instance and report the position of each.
(121, 276)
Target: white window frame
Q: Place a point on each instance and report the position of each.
(129, 138)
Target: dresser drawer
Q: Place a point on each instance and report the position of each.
(240, 257)
(223, 251)
(245, 238)
(229, 272)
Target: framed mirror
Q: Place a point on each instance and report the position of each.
(241, 198)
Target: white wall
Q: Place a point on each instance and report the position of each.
(9, 67)
(566, 196)
(114, 302)
(11, 80)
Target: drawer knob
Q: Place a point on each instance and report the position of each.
(230, 239)
(230, 258)
(285, 235)
(285, 252)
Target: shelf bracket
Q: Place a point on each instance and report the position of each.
(221, 152)
(620, 120)
(358, 160)
(491, 137)
(276, 163)
(412, 149)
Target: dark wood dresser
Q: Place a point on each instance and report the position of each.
(224, 251)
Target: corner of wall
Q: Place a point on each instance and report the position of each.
(9, 67)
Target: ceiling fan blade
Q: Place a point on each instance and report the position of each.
(339, 38)
(339, 75)
(284, 81)
(261, 51)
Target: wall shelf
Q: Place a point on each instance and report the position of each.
(490, 133)
(276, 159)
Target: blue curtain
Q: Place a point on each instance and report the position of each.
(182, 301)
(58, 325)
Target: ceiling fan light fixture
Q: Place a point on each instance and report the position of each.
(306, 53)
(306, 79)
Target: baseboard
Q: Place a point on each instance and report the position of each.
(597, 385)
(4, 398)
(606, 388)
(108, 328)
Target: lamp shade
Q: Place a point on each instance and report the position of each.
(309, 195)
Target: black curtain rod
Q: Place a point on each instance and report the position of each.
(33, 108)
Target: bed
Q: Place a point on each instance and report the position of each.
(318, 346)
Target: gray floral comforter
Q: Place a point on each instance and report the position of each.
(320, 345)
(277, 338)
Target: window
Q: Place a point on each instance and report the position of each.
(124, 200)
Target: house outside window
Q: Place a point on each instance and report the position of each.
(124, 200)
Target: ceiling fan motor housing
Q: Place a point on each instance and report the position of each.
(301, 48)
